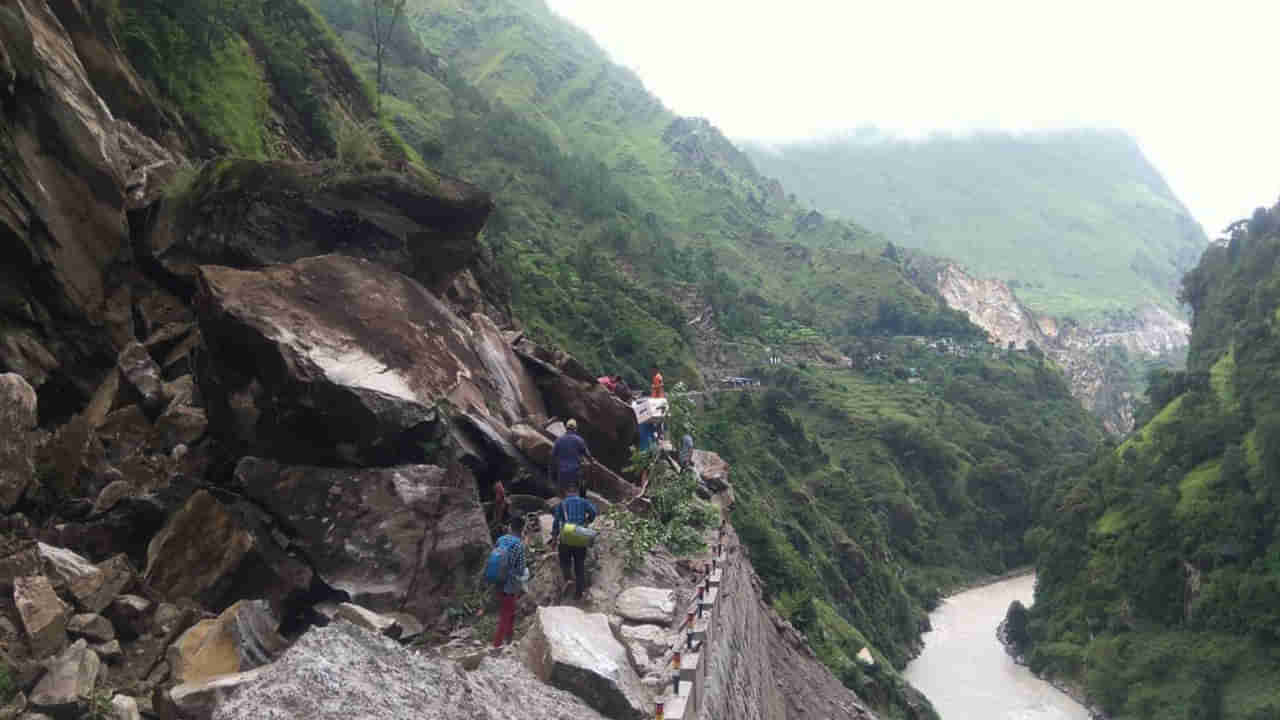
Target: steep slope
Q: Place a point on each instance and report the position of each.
(1160, 564)
(1078, 222)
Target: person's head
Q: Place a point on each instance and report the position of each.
(572, 489)
(572, 425)
(516, 523)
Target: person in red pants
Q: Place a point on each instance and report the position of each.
(509, 590)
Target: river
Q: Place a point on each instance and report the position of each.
(965, 671)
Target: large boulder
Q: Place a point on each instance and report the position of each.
(245, 213)
(393, 539)
(647, 605)
(605, 422)
(43, 614)
(535, 444)
(67, 685)
(17, 420)
(517, 393)
(333, 360)
(578, 652)
(200, 700)
(243, 637)
(344, 672)
(215, 553)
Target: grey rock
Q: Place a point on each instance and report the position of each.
(201, 700)
(391, 538)
(142, 372)
(124, 707)
(68, 684)
(92, 627)
(109, 651)
(17, 420)
(647, 605)
(342, 672)
(712, 469)
(577, 652)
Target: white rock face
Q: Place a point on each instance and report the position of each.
(1078, 349)
(577, 652)
(647, 605)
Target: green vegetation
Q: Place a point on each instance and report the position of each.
(864, 495)
(1077, 221)
(1159, 560)
(219, 62)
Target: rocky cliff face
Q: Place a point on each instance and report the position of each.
(1084, 352)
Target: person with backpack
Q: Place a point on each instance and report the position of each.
(506, 570)
(566, 457)
(572, 513)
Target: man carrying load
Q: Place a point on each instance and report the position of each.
(571, 519)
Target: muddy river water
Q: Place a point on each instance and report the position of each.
(966, 673)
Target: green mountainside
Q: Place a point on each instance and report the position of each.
(1078, 222)
(1173, 610)
(630, 236)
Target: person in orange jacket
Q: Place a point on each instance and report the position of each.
(657, 390)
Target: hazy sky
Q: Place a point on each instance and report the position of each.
(1197, 82)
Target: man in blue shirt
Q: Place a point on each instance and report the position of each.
(579, 511)
(566, 457)
(509, 590)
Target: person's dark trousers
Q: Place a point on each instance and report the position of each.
(575, 559)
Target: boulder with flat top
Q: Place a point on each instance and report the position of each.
(577, 652)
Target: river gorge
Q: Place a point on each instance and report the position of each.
(965, 671)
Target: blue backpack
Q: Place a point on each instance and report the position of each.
(498, 566)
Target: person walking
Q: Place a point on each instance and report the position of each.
(509, 589)
(566, 457)
(657, 391)
(576, 510)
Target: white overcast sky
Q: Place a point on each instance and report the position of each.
(1196, 81)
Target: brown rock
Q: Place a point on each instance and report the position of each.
(369, 620)
(17, 420)
(68, 685)
(348, 359)
(95, 591)
(391, 538)
(124, 433)
(243, 637)
(113, 493)
(535, 444)
(512, 384)
(43, 614)
(92, 627)
(180, 425)
(212, 552)
(605, 422)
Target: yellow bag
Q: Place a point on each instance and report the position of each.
(574, 535)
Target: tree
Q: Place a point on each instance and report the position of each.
(383, 16)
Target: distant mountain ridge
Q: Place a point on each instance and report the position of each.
(1078, 222)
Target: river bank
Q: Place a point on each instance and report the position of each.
(1075, 692)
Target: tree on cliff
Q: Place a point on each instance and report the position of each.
(383, 16)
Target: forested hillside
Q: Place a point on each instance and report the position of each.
(1174, 609)
(1078, 222)
(617, 221)
(865, 495)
